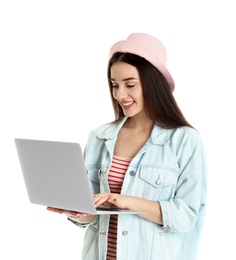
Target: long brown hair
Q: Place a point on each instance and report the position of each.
(159, 103)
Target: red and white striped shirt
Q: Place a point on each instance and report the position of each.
(115, 179)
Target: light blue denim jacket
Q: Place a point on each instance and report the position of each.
(169, 168)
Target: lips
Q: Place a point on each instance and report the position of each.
(127, 105)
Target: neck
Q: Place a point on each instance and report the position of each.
(138, 122)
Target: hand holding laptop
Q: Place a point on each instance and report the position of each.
(81, 217)
(100, 200)
(67, 212)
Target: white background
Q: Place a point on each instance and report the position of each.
(53, 57)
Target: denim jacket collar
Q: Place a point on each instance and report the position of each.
(159, 135)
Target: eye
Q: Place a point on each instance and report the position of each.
(130, 86)
(114, 86)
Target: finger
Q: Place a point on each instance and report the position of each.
(99, 200)
(76, 214)
(56, 210)
(69, 214)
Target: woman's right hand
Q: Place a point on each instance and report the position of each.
(69, 213)
(81, 217)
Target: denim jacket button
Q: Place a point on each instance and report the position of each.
(132, 173)
(101, 172)
(125, 233)
(168, 227)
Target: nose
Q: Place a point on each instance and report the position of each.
(120, 93)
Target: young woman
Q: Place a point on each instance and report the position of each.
(150, 159)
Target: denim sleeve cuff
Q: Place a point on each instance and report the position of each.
(166, 216)
(81, 225)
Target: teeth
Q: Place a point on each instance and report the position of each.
(127, 104)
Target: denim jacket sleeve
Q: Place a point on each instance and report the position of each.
(181, 213)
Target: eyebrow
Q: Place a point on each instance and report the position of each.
(125, 79)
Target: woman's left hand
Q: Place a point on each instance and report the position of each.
(151, 209)
(112, 199)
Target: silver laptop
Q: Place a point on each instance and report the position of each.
(55, 175)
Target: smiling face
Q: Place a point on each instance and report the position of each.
(127, 88)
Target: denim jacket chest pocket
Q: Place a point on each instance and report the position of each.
(158, 182)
